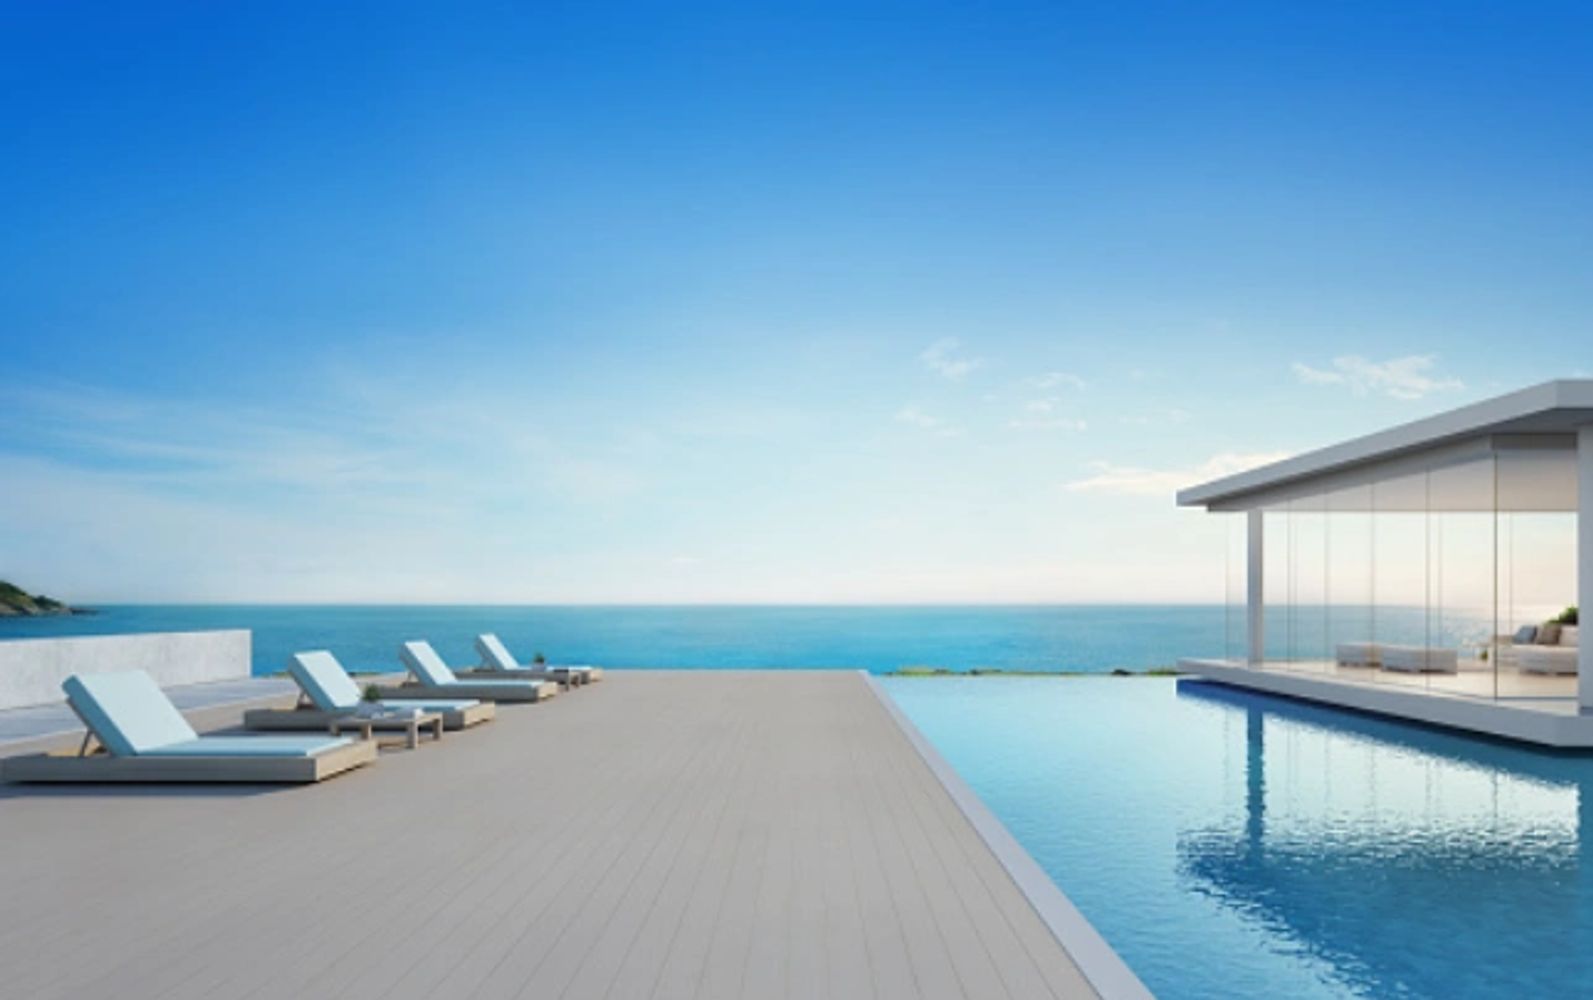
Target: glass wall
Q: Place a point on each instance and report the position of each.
(1234, 634)
(1421, 578)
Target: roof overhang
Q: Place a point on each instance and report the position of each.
(1546, 415)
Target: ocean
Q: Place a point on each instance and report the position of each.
(1086, 638)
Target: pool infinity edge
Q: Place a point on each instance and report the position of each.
(1101, 965)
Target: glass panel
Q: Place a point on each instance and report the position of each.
(1233, 625)
(1349, 582)
(1400, 580)
(1308, 560)
(1277, 524)
(1419, 580)
(1536, 572)
(1461, 598)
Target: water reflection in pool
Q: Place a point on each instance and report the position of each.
(1230, 844)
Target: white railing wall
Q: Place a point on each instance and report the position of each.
(31, 670)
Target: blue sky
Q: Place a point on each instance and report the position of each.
(687, 302)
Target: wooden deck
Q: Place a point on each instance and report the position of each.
(661, 834)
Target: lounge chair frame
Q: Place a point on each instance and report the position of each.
(567, 676)
(100, 766)
(565, 679)
(532, 692)
(524, 690)
(307, 716)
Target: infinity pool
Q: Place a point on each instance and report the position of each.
(1233, 845)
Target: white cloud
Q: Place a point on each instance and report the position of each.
(944, 358)
(1041, 415)
(334, 498)
(1053, 380)
(1128, 480)
(1409, 377)
(1047, 424)
(1164, 418)
(916, 417)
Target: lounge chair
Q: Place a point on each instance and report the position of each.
(432, 676)
(496, 661)
(145, 738)
(327, 693)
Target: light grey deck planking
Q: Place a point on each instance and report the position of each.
(662, 834)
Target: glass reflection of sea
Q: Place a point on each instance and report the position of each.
(1411, 862)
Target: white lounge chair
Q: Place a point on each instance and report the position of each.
(433, 677)
(497, 661)
(143, 737)
(327, 693)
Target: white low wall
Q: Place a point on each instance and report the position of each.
(31, 670)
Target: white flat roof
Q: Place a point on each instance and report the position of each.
(1558, 407)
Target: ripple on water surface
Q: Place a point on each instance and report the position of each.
(1232, 845)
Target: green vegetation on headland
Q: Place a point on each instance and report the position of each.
(996, 672)
(17, 603)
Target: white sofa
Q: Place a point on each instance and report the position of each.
(1558, 658)
(1358, 654)
(1420, 659)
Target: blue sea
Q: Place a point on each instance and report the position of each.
(1088, 638)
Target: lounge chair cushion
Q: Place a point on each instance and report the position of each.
(430, 704)
(425, 664)
(250, 746)
(1525, 635)
(494, 653)
(1548, 634)
(127, 711)
(499, 682)
(324, 680)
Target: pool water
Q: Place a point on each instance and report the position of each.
(1233, 845)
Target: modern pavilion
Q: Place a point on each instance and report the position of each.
(1431, 571)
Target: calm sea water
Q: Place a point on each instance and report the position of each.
(1076, 637)
(1234, 846)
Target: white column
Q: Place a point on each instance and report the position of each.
(1584, 560)
(1255, 592)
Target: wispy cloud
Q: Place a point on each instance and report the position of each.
(914, 416)
(1409, 377)
(1164, 418)
(1055, 380)
(1042, 415)
(1128, 480)
(370, 442)
(1048, 424)
(945, 358)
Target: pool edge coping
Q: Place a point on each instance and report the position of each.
(1101, 966)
